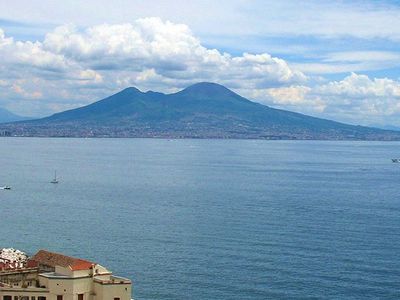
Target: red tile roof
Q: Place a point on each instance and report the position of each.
(52, 259)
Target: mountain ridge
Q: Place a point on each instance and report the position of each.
(8, 116)
(202, 110)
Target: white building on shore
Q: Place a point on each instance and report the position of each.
(53, 276)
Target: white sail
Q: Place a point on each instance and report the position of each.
(55, 178)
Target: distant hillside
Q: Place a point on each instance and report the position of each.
(389, 127)
(203, 110)
(7, 116)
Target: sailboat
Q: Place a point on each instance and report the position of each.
(55, 178)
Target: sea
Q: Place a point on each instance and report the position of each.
(212, 219)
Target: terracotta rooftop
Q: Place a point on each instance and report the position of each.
(52, 259)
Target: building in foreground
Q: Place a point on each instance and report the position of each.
(53, 276)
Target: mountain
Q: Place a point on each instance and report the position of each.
(388, 127)
(203, 110)
(7, 116)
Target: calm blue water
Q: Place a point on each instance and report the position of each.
(212, 219)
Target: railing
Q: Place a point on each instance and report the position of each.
(6, 271)
(113, 280)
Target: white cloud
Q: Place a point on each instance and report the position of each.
(356, 99)
(350, 61)
(361, 87)
(358, 18)
(169, 50)
(362, 99)
(295, 97)
(4, 40)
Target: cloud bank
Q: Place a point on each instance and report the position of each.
(357, 18)
(357, 99)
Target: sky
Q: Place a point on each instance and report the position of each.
(332, 59)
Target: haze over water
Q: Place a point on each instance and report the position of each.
(212, 219)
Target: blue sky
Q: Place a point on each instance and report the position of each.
(332, 59)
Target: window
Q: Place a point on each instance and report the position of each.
(7, 297)
(15, 297)
(33, 298)
(24, 298)
(116, 299)
(80, 296)
(41, 298)
(59, 297)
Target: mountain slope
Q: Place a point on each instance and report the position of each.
(203, 110)
(7, 116)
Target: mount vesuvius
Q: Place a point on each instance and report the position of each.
(203, 110)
